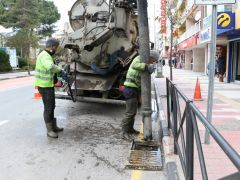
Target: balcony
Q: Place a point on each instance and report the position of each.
(196, 28)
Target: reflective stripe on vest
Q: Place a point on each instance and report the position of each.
(133, 78)
(43, 71)
(43, 78)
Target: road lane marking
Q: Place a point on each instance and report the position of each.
(3, 122)
(137, 174)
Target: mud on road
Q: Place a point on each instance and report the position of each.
(90, 147)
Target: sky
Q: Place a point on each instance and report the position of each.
(63, 7)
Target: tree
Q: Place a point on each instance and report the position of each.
(49, 15)
(30, 19)
(4, 62)
(173, 19)
(24, 14)
(21, 42)
(20, 14)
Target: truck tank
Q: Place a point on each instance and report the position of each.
(103, 43)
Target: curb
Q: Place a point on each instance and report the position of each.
(172, 162)
(16, 77)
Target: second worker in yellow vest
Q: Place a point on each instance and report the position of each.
(132, 92)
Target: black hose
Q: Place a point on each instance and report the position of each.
(70, 90)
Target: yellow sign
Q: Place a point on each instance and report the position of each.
(224, 20)
(237, 18)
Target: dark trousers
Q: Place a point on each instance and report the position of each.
(129, 116)
(48, 97)
(131, 95)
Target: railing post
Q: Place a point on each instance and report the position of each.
(175, 121)
(168, 108)
(189, 144)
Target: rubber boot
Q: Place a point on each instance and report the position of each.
(55, 127)
(127, 136)
(132, 130)
(50, 132)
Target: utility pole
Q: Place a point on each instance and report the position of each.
(145, 77)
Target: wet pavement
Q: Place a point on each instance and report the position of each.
(90, 147)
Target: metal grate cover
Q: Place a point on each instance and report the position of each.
(145, 156)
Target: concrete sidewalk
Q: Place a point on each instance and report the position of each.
(12, 75)
(226, 117)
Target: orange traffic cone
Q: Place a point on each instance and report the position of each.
(197, 93)
(37, 95)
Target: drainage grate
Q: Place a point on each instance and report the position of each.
(145, 156)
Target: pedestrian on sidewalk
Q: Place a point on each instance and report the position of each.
(222, 68)
(44, 79)
(132, 92)
(163, 62)
(217, 66)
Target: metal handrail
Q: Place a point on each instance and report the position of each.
(191, 115)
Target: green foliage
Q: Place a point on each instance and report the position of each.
(30, 19)
(4, 62)
(22, 62)
(21, 41)
(31, 67)
(20, 14)
(29, 14)
(172, 13)
(48, 16)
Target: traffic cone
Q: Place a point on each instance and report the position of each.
(197, 93)
(37, 95)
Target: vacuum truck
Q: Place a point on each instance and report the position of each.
(99, 50)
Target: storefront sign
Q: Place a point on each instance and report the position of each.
(214, 2)
(188, 43)
(205, 35)
(237, 17)
(163, 19)
(226, 20)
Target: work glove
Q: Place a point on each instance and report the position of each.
(64, 75)
(150, 68)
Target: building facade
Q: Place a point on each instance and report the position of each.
(194, 34)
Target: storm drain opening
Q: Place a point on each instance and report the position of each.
(145, 155)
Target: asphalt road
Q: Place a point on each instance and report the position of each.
(89, 148)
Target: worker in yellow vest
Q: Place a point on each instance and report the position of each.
(44, 79)
(131, 92)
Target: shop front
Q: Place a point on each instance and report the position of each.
(234, 57)
(234, 51)
(185, 52)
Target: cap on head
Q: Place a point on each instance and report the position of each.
(154, 54)
(52, 42)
